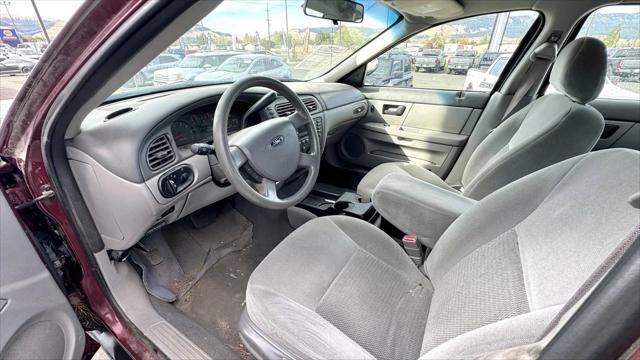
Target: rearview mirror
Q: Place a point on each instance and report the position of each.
(336, 10)
(206, 66)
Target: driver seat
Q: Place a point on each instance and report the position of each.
(339, 287)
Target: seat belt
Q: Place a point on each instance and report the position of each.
(539, 61)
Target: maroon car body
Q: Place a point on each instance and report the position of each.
(23, 170)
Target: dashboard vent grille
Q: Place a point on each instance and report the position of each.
(286, 109)
(160, 152)
(310, 104)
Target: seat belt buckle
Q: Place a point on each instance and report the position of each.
(413, 248)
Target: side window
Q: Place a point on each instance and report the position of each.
(258, 66)
(211, 60)
(457, 55)
(617, 26)
(497, 67)
(272, 64)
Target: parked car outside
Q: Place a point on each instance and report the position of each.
(414, 51)
(145, 76)
(28, 53)
(430, 60)
(485, 60)
(624, 62)
(17, 65)
(192, 65)
(240, 66)
(392, 69)
(462, 61)
(480, 80)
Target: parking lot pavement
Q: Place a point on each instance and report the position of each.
(10, 84)
(441, 80)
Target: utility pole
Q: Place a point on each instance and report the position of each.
(44, 30)
(286, 26)
(268, 28)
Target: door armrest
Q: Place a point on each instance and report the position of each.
(418, 207)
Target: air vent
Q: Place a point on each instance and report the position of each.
(286, 109)
(160, 153)
(310, 104)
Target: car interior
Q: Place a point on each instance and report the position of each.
(327, 218)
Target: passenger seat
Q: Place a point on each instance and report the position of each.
(551, 129)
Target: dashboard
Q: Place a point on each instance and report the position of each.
(126, 152)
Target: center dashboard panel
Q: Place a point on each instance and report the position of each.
(136, 171)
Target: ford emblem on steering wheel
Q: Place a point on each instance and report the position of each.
(277, 141)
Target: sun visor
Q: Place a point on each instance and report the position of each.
(437, 9)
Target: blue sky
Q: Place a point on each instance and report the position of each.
(248, 16)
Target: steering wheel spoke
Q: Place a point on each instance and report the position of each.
(268, 189)
(298, 120)
(238, 156)
(305, 160)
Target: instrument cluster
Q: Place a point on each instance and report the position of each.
(196, 126)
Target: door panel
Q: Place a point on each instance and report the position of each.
(36, 321)
(622, 123)
(430, 131)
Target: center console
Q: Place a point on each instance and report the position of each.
(331, 200)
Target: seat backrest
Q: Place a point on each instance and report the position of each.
(505, 267)
(552, 128)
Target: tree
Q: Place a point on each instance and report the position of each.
(349, 37)
(277, 38)
(323, 38)
(248, 39)
(612, 37)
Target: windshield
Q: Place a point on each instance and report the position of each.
(308, 47)
(464, 53)
(236, 64)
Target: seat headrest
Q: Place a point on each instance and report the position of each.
(580, 70)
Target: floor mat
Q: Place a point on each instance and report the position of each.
(216, 301)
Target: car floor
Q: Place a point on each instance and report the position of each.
(232, 245)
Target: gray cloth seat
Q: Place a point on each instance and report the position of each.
(552, 128)
(339, 287)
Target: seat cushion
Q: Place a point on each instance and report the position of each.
(339, 287)
(373, 177)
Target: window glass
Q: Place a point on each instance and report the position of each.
(166, 59)
(258, 66)
(307, 46)
(618, 27)
(26, 29)
(498, 66)
(467, 54)
(211, 60)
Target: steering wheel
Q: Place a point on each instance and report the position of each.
(255, 159)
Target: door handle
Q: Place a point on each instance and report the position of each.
(396, 110)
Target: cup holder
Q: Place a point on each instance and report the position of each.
(341, 205)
